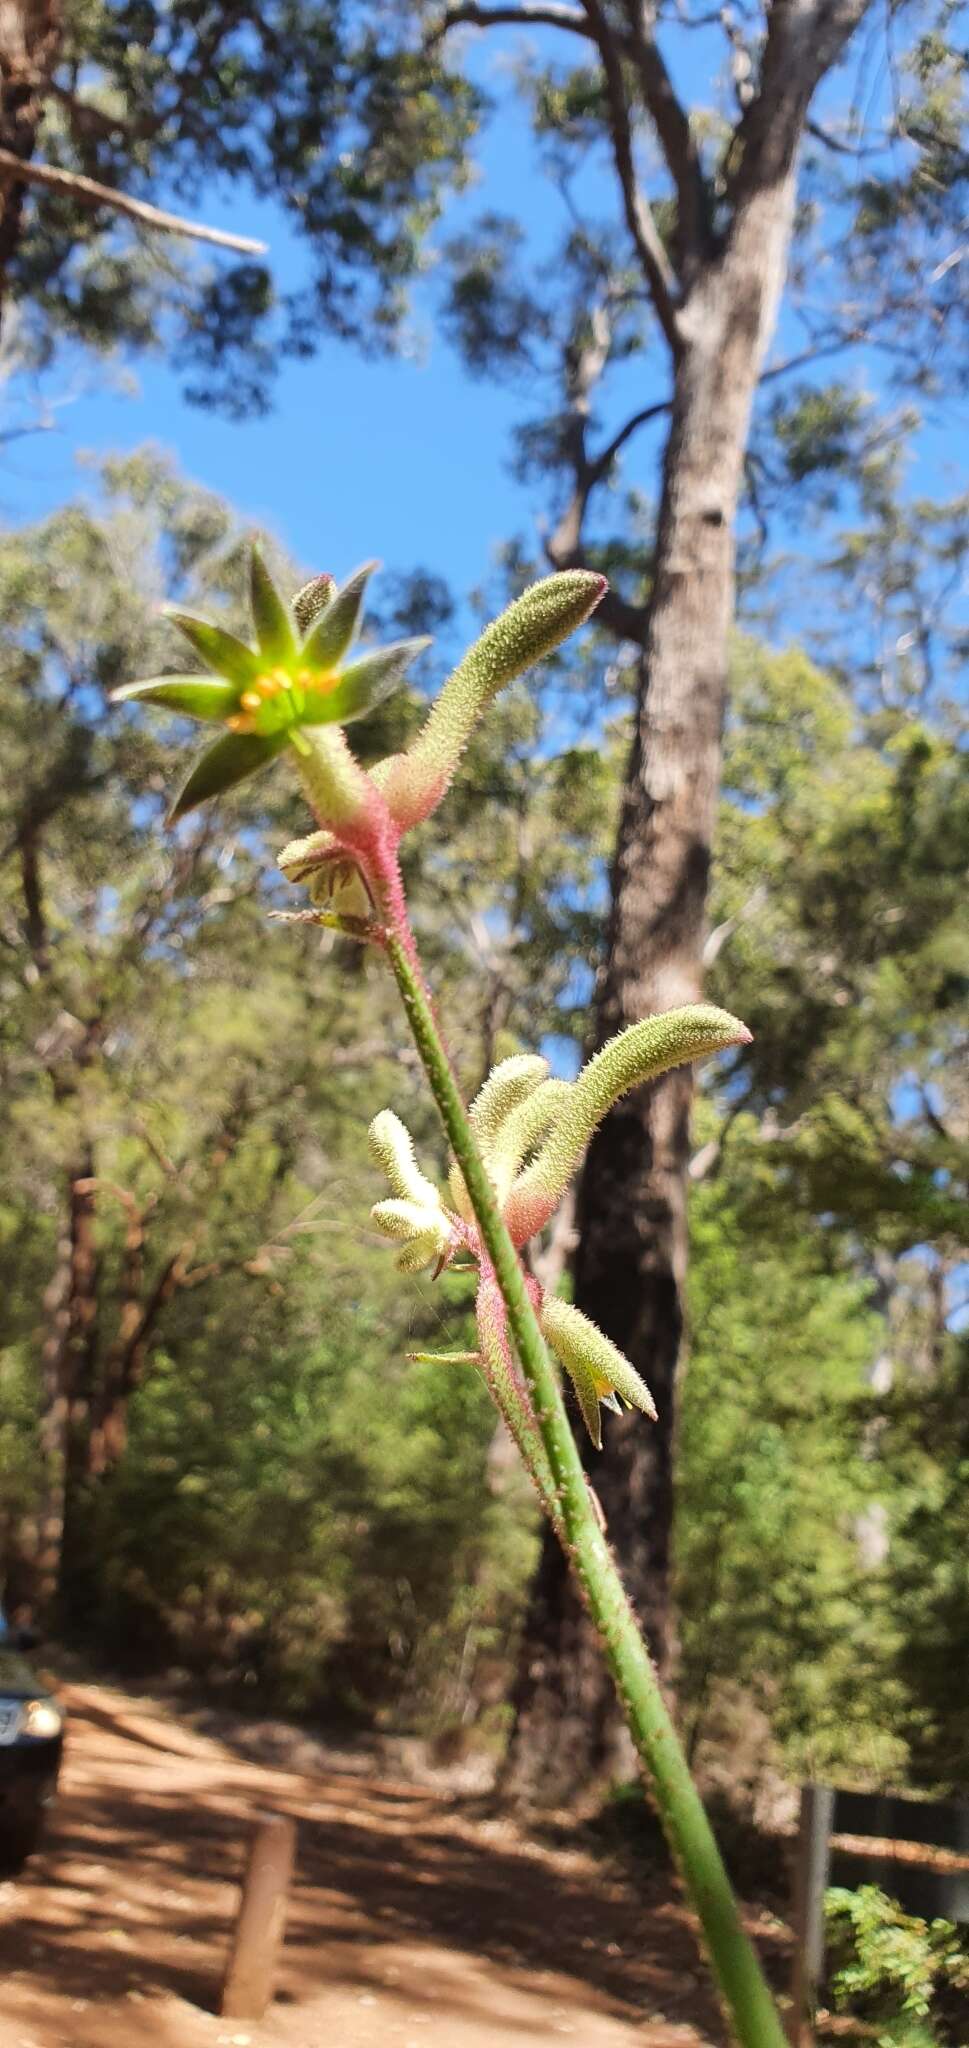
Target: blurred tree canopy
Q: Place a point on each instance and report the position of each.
(316, 108)
(163, 1071)
(211, 1436)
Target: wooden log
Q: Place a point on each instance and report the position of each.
(810, 1882)
(251, 1973)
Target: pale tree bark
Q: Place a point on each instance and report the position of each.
(717, 313)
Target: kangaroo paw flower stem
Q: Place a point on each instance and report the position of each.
(749, 2006)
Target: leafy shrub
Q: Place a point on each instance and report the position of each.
(908, 1977)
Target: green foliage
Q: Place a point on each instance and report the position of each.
(824, 1390)
(352, 132)
(298, 1504)
(771, 1468)
(908, 1978)
(294, 1502)
(926, 1447)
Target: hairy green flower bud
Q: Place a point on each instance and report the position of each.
(531, 628)
(521, 1131)
(508, 1084)
(312, 599)
(598, 1371)
(393, 1149)
(636, 1055)
(426, 1250)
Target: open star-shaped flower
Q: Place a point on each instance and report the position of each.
(296, 675)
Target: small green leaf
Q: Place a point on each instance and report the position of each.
(231, 760)
(270, 615)
(363, 685)
(196, 696)
(335, 629)
(227, 655)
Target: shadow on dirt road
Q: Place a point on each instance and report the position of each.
(411, 1921)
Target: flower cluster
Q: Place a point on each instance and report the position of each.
(532, 1131)
(296, 687)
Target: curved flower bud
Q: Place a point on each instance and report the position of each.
(398, 1218)
(522, 1130)
(508, 1084)
(598, 1371)
(636, 1055)
(532, 627)
(512, 1112)
(504, 1376)
(424, 1232)
(335, 627)
(393, 1148)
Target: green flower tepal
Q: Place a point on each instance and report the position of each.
(296, 676)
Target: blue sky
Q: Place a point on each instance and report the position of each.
(406, 459)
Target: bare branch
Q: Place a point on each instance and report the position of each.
(672, 124)
(657, 267)
(529, 15)
(89, 193)
(840, 148)
(602, 463)
(718, 937)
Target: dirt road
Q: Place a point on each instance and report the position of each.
(412, 1925)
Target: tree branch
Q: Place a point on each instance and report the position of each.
(804, 39)
(673, 130)
(602, 463)
(530, 14)
(656, 265)
(89, 193)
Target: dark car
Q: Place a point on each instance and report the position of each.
(31, 1741)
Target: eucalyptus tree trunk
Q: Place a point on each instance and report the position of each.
(630, 1261)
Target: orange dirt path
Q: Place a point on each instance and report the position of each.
(413, 1924)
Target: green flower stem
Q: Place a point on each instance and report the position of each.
(750, 2009)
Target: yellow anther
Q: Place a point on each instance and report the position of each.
(242, 721)
(269, 685)
(251, 700)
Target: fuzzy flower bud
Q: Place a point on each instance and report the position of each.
(393, 1148)
(636, 1055)
(531, 628)
(598, 1371)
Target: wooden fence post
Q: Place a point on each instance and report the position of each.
(810, 1883)
(250, 1975)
